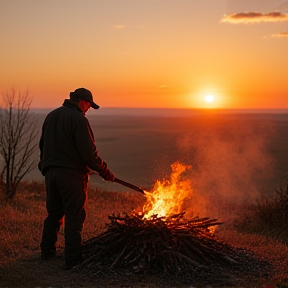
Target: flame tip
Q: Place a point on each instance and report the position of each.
(168, 195)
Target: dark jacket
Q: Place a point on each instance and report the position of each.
(67, 141)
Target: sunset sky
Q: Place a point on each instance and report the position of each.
(148, 53)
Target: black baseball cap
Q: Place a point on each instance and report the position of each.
(83, 94)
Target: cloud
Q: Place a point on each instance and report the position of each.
(119, 26)
(281, 35)
(254, 17)
(122, 26)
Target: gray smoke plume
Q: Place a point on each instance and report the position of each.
(231, 163)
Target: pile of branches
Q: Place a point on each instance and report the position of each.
(159, 245)
(166, 243)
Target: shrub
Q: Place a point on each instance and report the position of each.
(269, 216)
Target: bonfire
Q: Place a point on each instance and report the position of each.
(160, 239)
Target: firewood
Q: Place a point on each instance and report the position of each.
(169, 246)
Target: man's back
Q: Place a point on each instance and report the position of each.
(58, 143)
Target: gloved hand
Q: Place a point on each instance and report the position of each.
(108, 175)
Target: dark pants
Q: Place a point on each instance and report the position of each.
(66, 191)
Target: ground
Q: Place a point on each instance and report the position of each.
(31, 271)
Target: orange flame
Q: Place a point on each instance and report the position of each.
(167, 197)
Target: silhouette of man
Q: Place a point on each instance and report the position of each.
(67, 154)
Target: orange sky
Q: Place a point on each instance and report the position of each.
(148, 53)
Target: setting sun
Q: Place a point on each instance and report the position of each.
(209, 98)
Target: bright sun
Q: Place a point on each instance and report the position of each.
(209, 98)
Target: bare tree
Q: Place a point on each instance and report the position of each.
(17, 139)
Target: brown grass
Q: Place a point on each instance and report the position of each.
(21, 223)
(268, 216)
(21, 219)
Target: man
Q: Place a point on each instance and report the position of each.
(67, 154)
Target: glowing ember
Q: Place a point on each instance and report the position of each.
(167, 197)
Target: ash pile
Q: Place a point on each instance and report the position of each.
(168, 247)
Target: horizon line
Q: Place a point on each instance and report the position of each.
(141, 111)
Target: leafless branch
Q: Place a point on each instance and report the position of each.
(17, 139)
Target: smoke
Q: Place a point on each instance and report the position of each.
(231, 164)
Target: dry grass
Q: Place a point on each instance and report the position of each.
(21, 219)
(265, 248)
(21, 223)
(269, 216)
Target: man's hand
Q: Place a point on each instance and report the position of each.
(105, 173)
(108, 175)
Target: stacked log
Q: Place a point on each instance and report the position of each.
(163, 246)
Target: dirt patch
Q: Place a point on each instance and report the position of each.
(34, 272)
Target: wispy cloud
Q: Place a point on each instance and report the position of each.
(122, 26)
(281, 35)
(254, 17)
(119, 26)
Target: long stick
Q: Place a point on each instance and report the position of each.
(136, 188)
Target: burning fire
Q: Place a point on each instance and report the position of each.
(168, 196)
